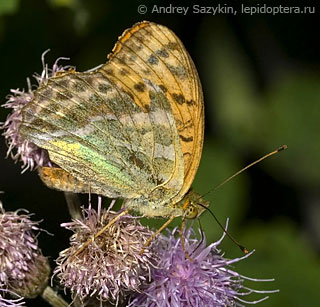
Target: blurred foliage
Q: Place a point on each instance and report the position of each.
(63, 3)
(261, 89)
(293, 116)
(8, 6)
(287, 112)
(282, 254)
(236, 102)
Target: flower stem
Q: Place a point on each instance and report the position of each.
(53, 298)
(74, 204)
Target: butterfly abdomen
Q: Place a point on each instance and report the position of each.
(57, 178)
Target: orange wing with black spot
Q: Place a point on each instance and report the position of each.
(149, 51)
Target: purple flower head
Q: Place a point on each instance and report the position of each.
(23, 268)
(111, 266)
(19, 148)
(205, 281)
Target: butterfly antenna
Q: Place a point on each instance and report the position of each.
(227, 180)
(281, 148)
(225, 231)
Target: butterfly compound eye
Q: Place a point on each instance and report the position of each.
(191, 212)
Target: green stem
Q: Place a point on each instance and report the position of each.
(74, 204)
(53, 298)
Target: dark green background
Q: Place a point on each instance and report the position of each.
(260, 77)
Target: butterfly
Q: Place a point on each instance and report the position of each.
(131, 129)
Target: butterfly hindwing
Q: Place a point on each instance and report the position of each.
(93, 129)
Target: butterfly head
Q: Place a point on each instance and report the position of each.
(193, 205)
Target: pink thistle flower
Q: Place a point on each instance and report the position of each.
(206, 281)
(23, 268)
(19, 148)
(111, 266)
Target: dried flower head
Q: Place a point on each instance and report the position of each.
(19, 148)
(205, 281)
(111, 266)
(23, 268)
(10, 302)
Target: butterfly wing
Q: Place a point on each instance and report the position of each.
(131, 127)
(149, 51)
(93, 129)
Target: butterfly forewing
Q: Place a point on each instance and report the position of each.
(149, 51)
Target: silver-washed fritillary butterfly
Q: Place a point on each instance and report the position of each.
(132, 129)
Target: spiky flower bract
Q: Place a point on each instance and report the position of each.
(207, 280)
(112, 265)
(19, 148)
(23, 268)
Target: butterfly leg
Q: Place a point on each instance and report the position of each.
(202, 237)
(156, 233)
(102, 230)
(183, 224)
